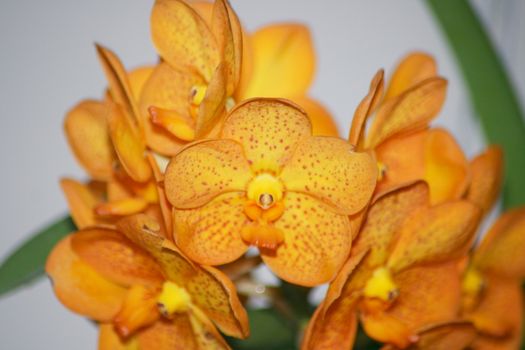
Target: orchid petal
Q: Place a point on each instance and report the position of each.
(227, 30)
(210, 234)
(79, 287)
(413, 69)
(283, 62)
(268, 130)
(365, 108)
(335, 331)
(82, 202)
(435, 234)
(328, 169)
(315, 246)
(109, 339)
(501, 251)
(116, 258)
(408, 112)
(86, 124)
(203, 170)
(486, 178)
(183, 38)
(128, 145)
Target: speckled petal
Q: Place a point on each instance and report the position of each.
(365, 108)
(182, 37)
(410, 111)
(283, 61)
(385, 219)
(169, 89)
(316, 242)
(328, 169)
(203, 170)
(227, 30)
(145, 231)
(211, 234)
(86, 125)
(435, 234)
(486, 178)
(268, 129)
(501, 251)
(413, 69)
(79, 287)
(116, 258)
(216, 295)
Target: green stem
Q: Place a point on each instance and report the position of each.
(491, 92)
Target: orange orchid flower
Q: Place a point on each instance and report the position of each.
(492, 293)
(405, 259)
(267, 182)
(399, 136)
(143, 291)
(190, 90)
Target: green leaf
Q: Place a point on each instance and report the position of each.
(27, 261)
(492, 95)
(268, 331)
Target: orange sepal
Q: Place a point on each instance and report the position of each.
(128, 145)
(81, 201)
(283, 62)
(121, 207)
(413, 69)
(486, 178)
(88, 136)
(79, 287)
(183, 38)
(335, 330)
(501, 251)
(116, 258)
(408, 112)
(435, 234)
(365, 108)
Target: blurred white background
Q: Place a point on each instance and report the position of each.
(48, 63)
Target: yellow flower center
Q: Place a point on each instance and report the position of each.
(172, 299)
(265, 190)
(197, 94)
(264, 206)
(381, 286)
(472, 286)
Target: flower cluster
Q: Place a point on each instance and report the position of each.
(217, 152)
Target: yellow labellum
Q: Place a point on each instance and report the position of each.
(381, 285)
(173, 299)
